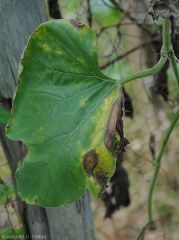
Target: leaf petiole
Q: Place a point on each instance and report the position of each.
(158, 66)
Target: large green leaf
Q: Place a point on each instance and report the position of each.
(60, 111)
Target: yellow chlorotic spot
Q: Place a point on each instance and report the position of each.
(58, 51)
(106, 162)
(46, 48)
(83, 102)
(39, 33)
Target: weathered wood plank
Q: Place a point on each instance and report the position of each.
(18, 19)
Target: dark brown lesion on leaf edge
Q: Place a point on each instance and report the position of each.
(90, 161)
(115, 141)
(77, 24)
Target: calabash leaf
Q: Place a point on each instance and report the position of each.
(60, 111)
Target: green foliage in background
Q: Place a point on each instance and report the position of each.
(6, 192)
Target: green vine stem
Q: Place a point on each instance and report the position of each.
(155, 69)
(166, 35)
(157, 166)
(171, 54)
(154, 179)
(163, 59)
(141, 233)
(173, 63)
(166, 54)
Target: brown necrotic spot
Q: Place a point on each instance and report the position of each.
(90, 160)
(114, 117)
(102, 181)
(77, 24)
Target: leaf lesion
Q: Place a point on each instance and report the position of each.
(115, 143)
(90, 164)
